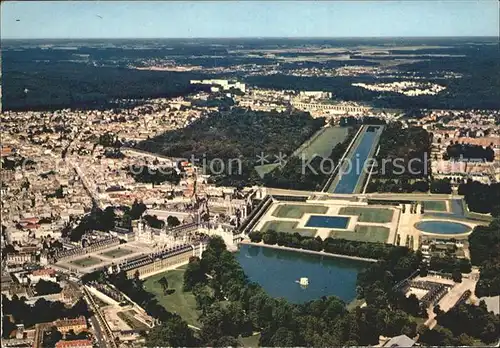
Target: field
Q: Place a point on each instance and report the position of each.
(182, 303)
(86, 261)
(322, 143)
(435, 205)
(373, 234)
(266, 168)
(116, 253)
(296, 211)
(289, 227)
(376, 215)
(250, 341)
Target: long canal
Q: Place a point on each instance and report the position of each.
(352, 172)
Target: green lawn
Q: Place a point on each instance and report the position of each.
(435, 205)
(116, 253)
(357, 302)
(86, 261)
(373, 234)
(296, 211)
(288, 227)
(182, 303)
(322, 143)
(250, 341)
(377, 215)
(266, 168)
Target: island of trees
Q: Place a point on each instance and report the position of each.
(410, 146)
(457, 151)
(481, 198)
(236, 137)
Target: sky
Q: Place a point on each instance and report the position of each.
(196, 19)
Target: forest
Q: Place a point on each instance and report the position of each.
(155, 176)
(481, 198)
(40, 312)
(462, 325)
(484, 246)
(64, 84)
(479, 87)
(237, 136)
(411, 146)
(459, 151)
(309, 176)
(403, 160)
(329, 245)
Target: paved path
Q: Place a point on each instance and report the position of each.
(453, 295)
(322, 253)
(406, 227)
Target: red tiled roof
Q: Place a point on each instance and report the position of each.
(70, 322)
(32, 220)
(45, 271)
(74, 343)
(6, 151)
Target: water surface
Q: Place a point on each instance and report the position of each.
(357, 159)
(323, 221)
(442, 227)
(278, 270)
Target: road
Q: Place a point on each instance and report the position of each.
(105, 337)
(89, 186)
(101, 342)
(322, 253)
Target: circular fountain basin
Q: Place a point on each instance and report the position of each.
(442, 227)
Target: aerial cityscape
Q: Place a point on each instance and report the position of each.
(250, 174)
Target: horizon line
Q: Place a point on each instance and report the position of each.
(253, 37)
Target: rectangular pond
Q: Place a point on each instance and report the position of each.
(357, 158)
(323, 221)
(278, 270)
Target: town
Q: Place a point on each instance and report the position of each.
(246, 174)
(61, 166)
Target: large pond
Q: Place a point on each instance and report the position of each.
(278, 270)
(442, 227)
(323, 221)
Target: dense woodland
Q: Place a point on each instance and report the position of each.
(155, 176)
(481, 198)
(104, 220)
(463, 325)
(240, 132)
(46, 287)
(329, 245)
(40, 312)
(93, 72)
(479, 88)
(236, 137)
(404, 144)
(311, 175)
(484, 246)
(459, 151)
(450, 264)
(403, 163)
(55, 85)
